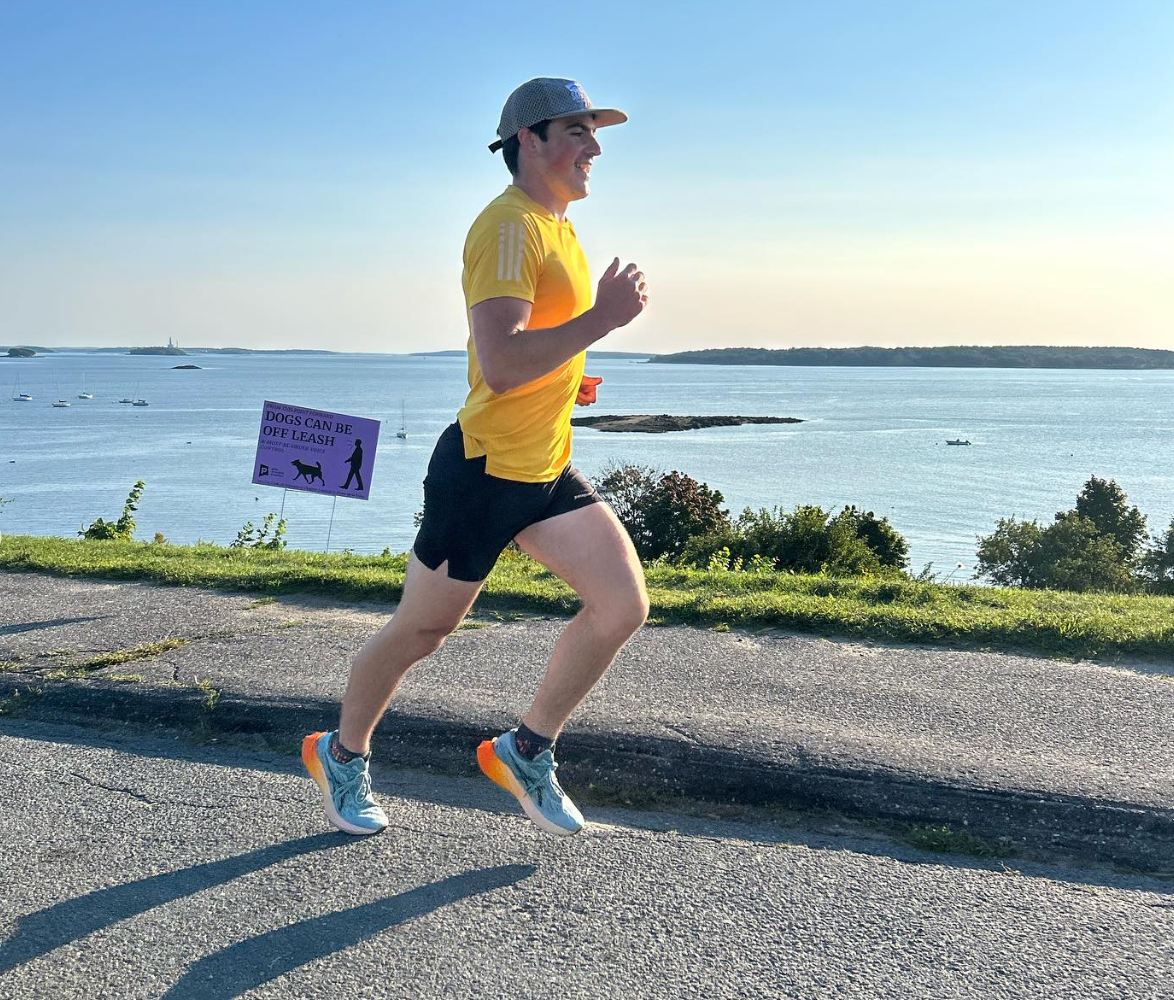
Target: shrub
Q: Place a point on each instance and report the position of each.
(1104, 503)
(1092, 547)
(807, 540)
(1157, 563)
(124, 527)
(626, 488)
(1076, 555)
(252, 537)
(881, 537)
(675, 510)
(661, 512)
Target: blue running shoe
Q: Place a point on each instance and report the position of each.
(532, 783)
(346, 788)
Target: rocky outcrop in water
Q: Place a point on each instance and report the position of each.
(647, 423)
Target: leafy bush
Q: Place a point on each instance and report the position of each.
(661, 511)
(1092, 547)
(252, 537)
(1156, 569)
(675, 510)
(627, 488)
(807, 540)
(124, 527)
(1104, 503)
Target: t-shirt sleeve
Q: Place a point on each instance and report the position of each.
(503, 257)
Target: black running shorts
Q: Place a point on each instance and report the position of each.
(470, 516)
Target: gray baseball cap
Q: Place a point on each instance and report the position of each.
(548, 97)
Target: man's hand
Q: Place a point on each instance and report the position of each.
(621, 295)
(587, 390)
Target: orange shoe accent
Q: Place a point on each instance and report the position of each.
(311, 761)
(495, 770)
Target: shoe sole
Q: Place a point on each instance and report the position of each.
(314, 766)
(493, 767)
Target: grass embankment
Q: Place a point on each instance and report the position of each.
(1063, 624)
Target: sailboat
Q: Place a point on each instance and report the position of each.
(85, 393)
(62, 402)
(402, 433)
(18, 396)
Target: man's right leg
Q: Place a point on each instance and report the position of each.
(432, 606)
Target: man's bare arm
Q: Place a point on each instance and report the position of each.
(510, 355)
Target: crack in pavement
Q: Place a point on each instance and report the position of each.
(113, 788)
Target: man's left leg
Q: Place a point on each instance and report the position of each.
(591, 551)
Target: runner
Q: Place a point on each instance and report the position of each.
(502, 471)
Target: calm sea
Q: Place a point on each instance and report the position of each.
(871, 437)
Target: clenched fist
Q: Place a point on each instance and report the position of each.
(587, 388)
(621, 295)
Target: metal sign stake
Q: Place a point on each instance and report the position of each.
(330, 527)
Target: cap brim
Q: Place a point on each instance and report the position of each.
(603, 117)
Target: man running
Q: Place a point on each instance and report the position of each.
(503, 471)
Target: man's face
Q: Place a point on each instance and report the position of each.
(564, 160)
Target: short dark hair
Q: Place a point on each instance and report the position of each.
(509, 148)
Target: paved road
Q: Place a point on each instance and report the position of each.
(153, 869)
(1079, 754)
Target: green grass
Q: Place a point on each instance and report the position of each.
(146, 651)
(1056, 623)
(945, 840)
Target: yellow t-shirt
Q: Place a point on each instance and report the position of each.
(517, 248)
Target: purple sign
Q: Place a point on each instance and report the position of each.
(316, 451)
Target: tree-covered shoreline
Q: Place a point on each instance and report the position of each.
(1125, 358)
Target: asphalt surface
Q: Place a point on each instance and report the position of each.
(1076, 756)
(142, 868)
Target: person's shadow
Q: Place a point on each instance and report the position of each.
(256, 960)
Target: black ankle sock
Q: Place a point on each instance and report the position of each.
(529, 743)
(341, 753)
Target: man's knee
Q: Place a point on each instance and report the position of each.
(424, 640)
(622, 617)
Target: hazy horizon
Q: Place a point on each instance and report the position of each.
(277, 175)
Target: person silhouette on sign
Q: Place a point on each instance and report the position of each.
(356, 464)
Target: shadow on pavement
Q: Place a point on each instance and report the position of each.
(257, 960)
(709, 775)
(42, 932)
(47, 623)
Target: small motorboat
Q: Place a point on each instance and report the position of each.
(62, 402)
(143, 402)
(958, 441)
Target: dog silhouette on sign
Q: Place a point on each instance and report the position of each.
(309, 472)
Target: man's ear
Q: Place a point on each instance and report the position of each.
(529, 139)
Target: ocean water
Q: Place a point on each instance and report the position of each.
(871, 437)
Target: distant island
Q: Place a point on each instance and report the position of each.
(648, 423)
(258, 350)
(930, 357)
(171, 351)
(21, 352)
(185, 352)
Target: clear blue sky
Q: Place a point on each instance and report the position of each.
(295, 174)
